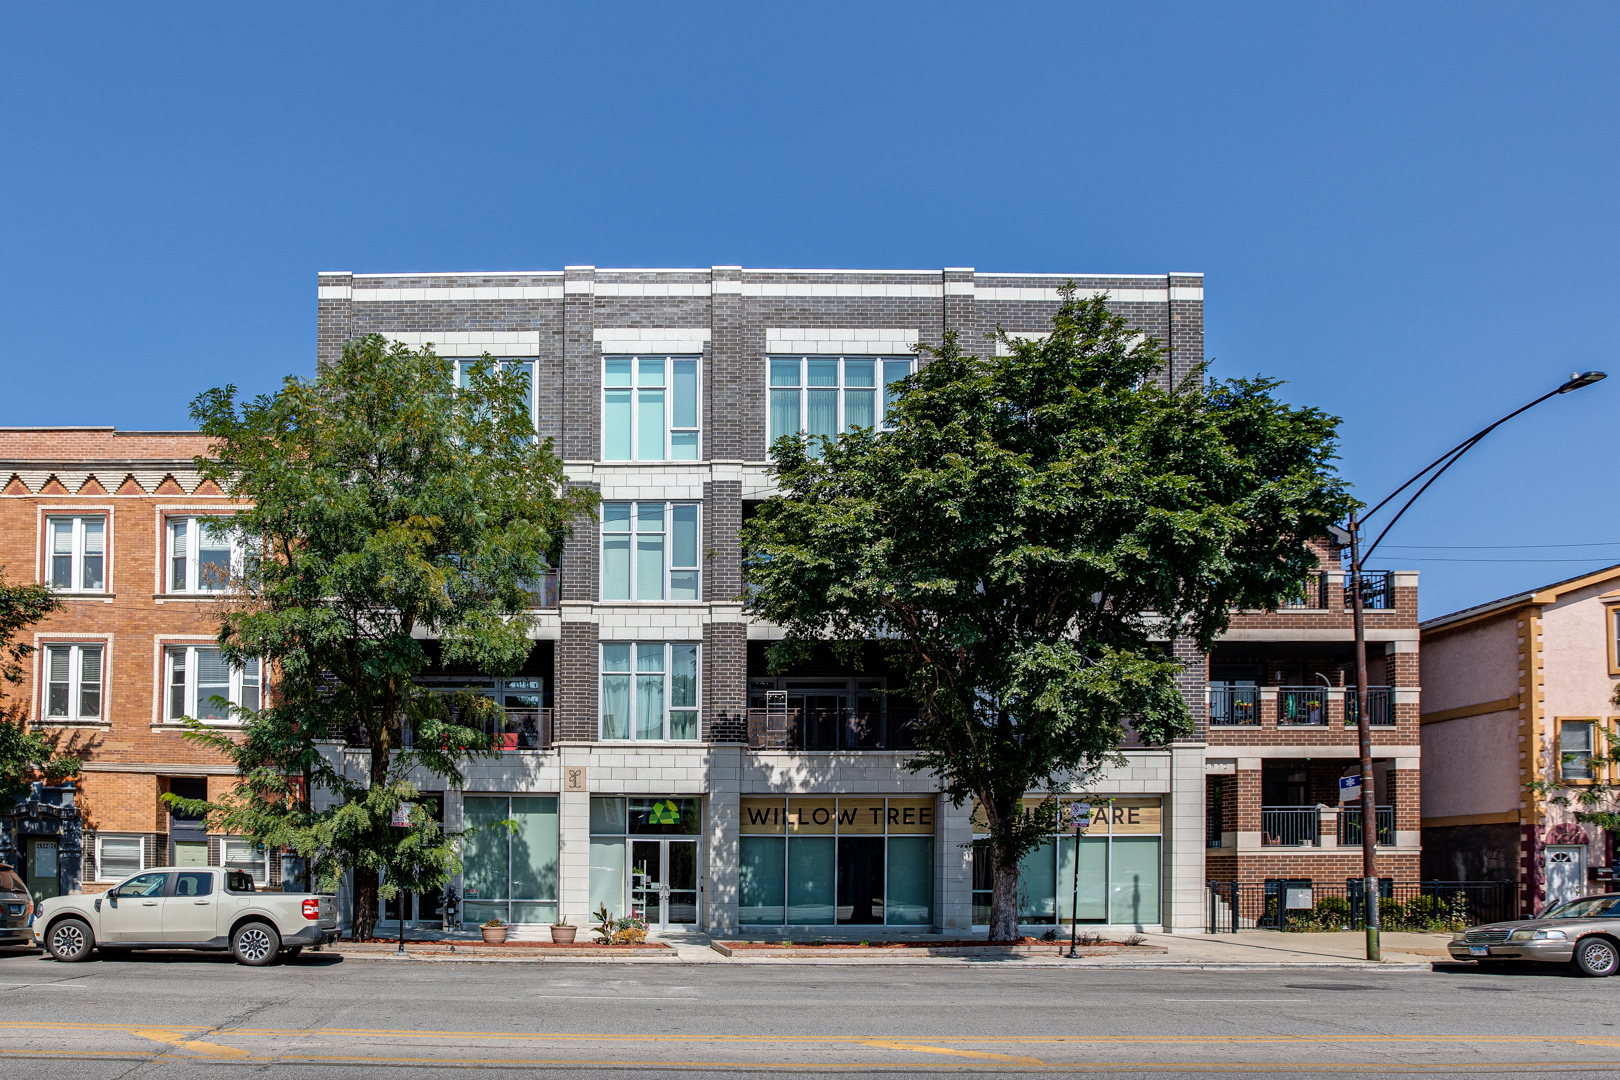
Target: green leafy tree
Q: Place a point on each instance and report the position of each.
(1026, 541)
(385, 504)
(24, 755)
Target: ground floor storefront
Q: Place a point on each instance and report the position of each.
(730, 840)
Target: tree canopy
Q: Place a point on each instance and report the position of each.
(384, 505)
(1027, 539)
(25, 755)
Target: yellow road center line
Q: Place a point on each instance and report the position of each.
(889, 1044)
(207, 1048)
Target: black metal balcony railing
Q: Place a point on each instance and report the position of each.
(543, 590)
(1312, 594)
(1288, 826)
(1301, 705)
(1380, 706)
(1234, 706)
(1350, 826)
(889, 728)
(515, 729)
(1377, 590)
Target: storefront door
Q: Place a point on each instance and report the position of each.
(663, 882)
(43, 882)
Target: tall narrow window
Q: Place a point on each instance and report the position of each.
(827, 395)
(650, 551)
(78, 551)
(73, 682)
(650, 408)
(203, 686)
(1575, 747)
(202, 553)
(650, 691)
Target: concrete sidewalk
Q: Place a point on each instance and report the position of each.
(1255, 949)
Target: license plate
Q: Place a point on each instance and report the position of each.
(1479, 950)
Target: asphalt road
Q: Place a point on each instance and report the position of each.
(180, 1016)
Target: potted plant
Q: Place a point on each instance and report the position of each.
(562, 933)
(494, 932)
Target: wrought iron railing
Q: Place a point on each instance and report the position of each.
(1288, 826)
(1380, 706)
(1304, 904)
(1234, 706)
(891, 727)
(1302, 705)
(514, 729)
(1312, 594)
(1377, 590)
(1350, 826)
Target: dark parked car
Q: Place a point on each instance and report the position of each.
(15, 908)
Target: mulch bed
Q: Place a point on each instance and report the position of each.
(953, 944)
(509, 944)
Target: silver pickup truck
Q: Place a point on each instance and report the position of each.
(186, 907)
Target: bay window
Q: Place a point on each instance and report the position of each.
(197, 676)
(649, 690)
(650, 408)
(78, 553)
(202, 551)
(650, 551)
(827, 395)
(73, 682)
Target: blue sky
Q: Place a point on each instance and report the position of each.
(1405, 211)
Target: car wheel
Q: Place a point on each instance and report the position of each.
(1596, 957)
(70, 941)
(255, 944)
(291, 952)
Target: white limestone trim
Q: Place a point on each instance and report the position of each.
(1123, 296)
(842, 289)
(471, 342)
(652, 288)
(336, 292)
(839, 341)
(652, 339)
(444, 292)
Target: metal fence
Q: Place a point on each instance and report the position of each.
(1298, 705)
(1288, 826)
(1350, 826)
(1300, 904)
(1380, 706)
(1312, 594)
(890, 727)
(1377, 590)
(1234, 706)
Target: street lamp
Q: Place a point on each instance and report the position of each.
(1352, 536)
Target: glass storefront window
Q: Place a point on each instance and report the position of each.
(509, 873)
(1121, 867)
(644, 857)
(848, 861)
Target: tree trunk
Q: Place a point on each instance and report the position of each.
(365, 903)
(1003, 897)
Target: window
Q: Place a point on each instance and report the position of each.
(825, 395)
(509, 859)
(202, 552)
(1614, 640)
(505, 366)
(117, 857)
(197, 675)
(650, 551)
(73, 682)
(1575, 746)
(78, 553)
(650, 408)
(248, 858)
(194, 883)
(649, 690)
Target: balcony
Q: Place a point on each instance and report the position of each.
(544, 590)
(1313, 594)
(1288, 826)
(889, 728)
(1377, 591)
(1296, 706)
(514, 729)
(1302, 706)
(1234, 706)
(1380, 706)
(1350, 826)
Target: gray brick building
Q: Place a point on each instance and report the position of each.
(669, 770)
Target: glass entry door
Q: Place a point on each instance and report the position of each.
(664, 882)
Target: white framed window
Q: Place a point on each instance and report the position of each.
(203, 554)
(1576, 750)
(650, 408)
(650, 551)
(117, 857)
(506, 365)
(248, 857)
(73, 675)
(827, 395)
(650, 690)
(78, 553)
(195, 676)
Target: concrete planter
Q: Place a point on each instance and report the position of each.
(493, 935)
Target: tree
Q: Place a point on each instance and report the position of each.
(24, 755)
(384, 504)
(1026, 542)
